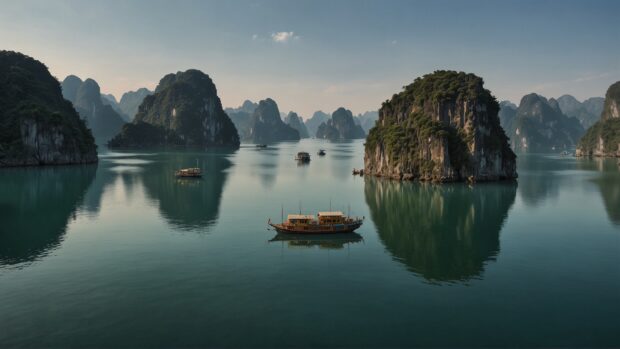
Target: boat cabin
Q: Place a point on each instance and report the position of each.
(300, 219)
(335, 217)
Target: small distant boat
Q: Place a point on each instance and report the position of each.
(565, 153)
(321, 152)
(261, 146)
(302, 156)
(193, 172)
(324, 223)
(190, 172)
(358, 172)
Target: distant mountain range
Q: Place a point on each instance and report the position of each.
(340, 126)
(538, 124)
(103, 120)
(367, 120)
(588, 112)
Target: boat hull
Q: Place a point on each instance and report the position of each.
(317, 230)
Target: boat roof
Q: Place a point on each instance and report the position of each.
(332, 213)
(300, 216)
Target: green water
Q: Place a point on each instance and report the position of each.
(124, 254)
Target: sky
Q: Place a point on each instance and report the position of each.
(321, 55)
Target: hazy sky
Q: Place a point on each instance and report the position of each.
(311, 55)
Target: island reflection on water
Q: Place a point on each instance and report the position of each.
(36, 204)
(442, 232)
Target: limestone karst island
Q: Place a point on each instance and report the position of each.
(309, 174)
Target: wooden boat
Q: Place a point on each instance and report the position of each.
(324, 223)
(358, 172)
(193, 172)
(321, 152)
(302, 156)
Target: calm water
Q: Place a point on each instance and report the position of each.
(123, 254)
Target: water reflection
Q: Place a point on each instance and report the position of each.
(608, 184)
(329, 242)
(538, 179)
(188, 204)
(36, 205)
(441, 232)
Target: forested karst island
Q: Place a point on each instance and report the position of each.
(603, 138)
(37, 125)
(184, 111)
(442, 127)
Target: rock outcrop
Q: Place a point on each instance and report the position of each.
(37, 125)
(86, 97)
(540, 126)
(603, 138)
(184, 111)
(315, 121)
(587, 112)
(130, 101)
(442, 127)
(294, 121)
(341, 126)
(242, 117)
(266, 125)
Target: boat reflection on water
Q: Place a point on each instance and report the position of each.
(444, 233)
(330, 242)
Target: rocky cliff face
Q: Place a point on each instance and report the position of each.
(587, 112)
(130, 101)
(266, 125)
(603, 138)
(294, 121)
(184, 111)
(341, 126)
(540, 126)
(315, 121)
(86, 97)
(37, 125)
(442, 127)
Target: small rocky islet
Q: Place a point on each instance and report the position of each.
(443, 127)
(184, 110)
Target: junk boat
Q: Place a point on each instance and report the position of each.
(323, 223)
(321, 152)
(302, 156)
(193, 172)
